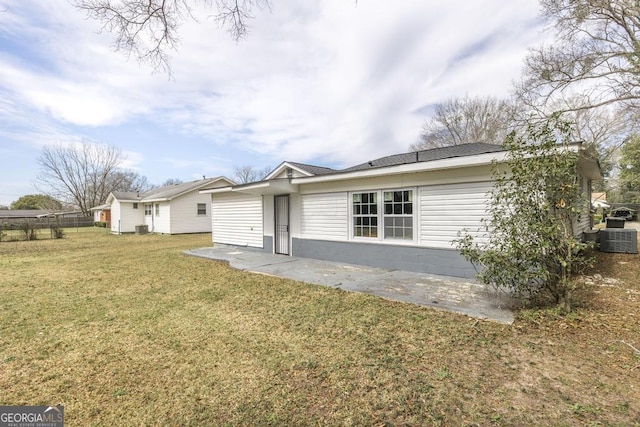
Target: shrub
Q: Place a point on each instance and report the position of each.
(529, 247)
(29, 231)
(57, 232)
(101, 224)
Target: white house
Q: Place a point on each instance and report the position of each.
(399, 212)
(101, 213)
(172, 209)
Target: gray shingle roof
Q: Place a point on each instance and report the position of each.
(170, 191)
(164, 193)
(23, 213)
(126, 195)
(314, 170)
(100, 207)
(462, 150)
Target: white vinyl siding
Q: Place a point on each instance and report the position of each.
(124, 218)
(184, 215)
(237, 220)
(115, 217)
(447, 209)
(325, 216)
(159, 221)
(583, 221)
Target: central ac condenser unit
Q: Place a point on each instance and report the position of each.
(618, 240)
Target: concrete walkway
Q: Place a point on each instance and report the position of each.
(440, 292)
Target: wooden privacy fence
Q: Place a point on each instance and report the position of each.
(47, 222)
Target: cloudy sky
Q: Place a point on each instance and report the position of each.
(325, 82)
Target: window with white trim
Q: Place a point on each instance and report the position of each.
(202, 209)
(157, 209)
(365, 214)
(383, 214)
(147, 210)
(135, 206)
(398, 214)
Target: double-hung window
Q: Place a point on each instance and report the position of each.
(147, 209)
(365, 214)
(157, 209)
(383, 215)
(398, 214)
(202, 209)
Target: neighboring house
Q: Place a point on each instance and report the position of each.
(37, 214)
(172, 209)
(398, 212)
(25, 214)
(102, 213)
(42, 218)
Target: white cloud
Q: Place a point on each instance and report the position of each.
(342, 82)
(314, 80)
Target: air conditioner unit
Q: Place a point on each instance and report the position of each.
(142, 229)
(616, 240)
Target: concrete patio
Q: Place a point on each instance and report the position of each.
(439, 292)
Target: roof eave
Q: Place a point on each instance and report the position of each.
(262, 188)
(449, 163)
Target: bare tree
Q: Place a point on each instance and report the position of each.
(247, 173)
(602, 129)
(172, 181)
(127, 180)
(84, 174)
(596, 52)
(146, 29)
(465, 120)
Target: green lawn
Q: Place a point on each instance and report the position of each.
(125, 330)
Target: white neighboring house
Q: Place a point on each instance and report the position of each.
(172, 209)
(101, 213)
(398, 212)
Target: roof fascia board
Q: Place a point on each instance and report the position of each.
(216, 190)
(261, 188)
(450, 163)
(267, 187)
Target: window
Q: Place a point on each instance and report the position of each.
(157, 209)
(365, 215)
(398, 214)
(384, 215)
(202, 208)
(147, 210)
(135, 206)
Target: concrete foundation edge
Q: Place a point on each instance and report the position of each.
(444, 262)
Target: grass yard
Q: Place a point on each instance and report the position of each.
(125, 330)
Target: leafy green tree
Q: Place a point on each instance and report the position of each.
(36, 201)
(629, 180)
(527, 245)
